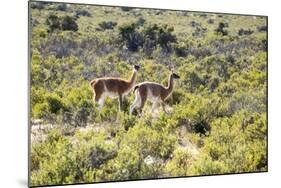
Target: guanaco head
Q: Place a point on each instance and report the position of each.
(175, 76)
(137, 67)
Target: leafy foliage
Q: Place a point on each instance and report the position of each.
(221, 29)
(53, 22)
(216, 121)
(106, 25)
(149, 38)
(68, 23)
(65, 23)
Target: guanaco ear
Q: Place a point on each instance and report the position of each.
(171, 67)
(176, 76)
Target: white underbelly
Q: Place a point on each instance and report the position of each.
(111, 94)
(152, 98)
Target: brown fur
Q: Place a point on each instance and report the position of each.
(156, 89)
(155, 92)
(116, 86)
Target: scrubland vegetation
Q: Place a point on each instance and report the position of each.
(217, 115)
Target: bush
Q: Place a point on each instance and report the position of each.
(199, 31)
(61, 7)
(158, 35)
(235, 148)
(211, 21)
(149, 38)
(130, 36)
(69, 23)
(181, 50)
(140, 21)
(216, 120)
(126, 9)
(148, 141)
(127, 121)
(38, 5)
(180, 162)
(194, 23)
(53, 22)
(55, 103)
(67, 161)
(190, 78)
(82, 13)
(142, 150)
(262, 28)
(195, 116)
(66, 23)
(221, 29)
(106, 25)
(204, 165)
(79, 105)
(46, 104)
(245, 32)
(40, 110)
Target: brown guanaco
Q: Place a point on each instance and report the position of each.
(113, 88)
(154, 92)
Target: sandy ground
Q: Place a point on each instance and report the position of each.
(39, 131)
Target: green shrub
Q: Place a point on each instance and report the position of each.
(149, 38)
(46, 104)
(61, 7)
(216, 120)
(130, 36)
(141, 152)
(127, 121)
(64, 161)
(79, 105)
(235, 148)
(53, 22)
(106, 25)
(245, 31)
(195, 115)
(38, 5)
(180, 162)
(204, 165)
(55, 103)
(69, 23)
(221, 28)
(40, 110)
(126, 9)
(82, 13)
(66, 23)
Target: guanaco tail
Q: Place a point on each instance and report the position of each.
(113, 88)
(154, 92)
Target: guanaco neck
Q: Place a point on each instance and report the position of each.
(170, 86)
(132, 79)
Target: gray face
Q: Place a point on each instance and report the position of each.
(137, 67)
(175, 76)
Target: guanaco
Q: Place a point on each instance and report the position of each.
(154, 92)
(113, 88)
